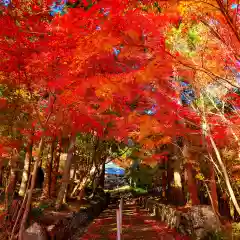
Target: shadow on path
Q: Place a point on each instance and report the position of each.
(135, 226)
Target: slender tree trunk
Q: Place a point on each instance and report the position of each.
(10, 187)
(12, 178)
(169, 180)
(85, 181)
(213, 189)
(72, 184)
(6, 174)
(78, 186)
(74, 172)
(66, 173)
(192, 187)
(176, 188)
(177, 196)
(35, 168)
(212, 184)
(225, 174)
(99, 177)
(102, 176)
(47, 180)
(164, 183)
(19, 214)
(26, 170)
(94, 183)
(82, 187)
(1, 176)
(50, 173)
(55, 170)
(30, 193)
(95, 158)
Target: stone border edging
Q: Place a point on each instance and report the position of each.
(64, 228)
(196, 222)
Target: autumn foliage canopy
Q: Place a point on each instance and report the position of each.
(104, 67)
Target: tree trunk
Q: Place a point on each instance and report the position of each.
(1, 176)
(19, 213)
(30, 193)
(47, 180)
(66, 174)
(212, 184)
(169, 180)
(73, 173)
(94, 183)
(26, 170)
(213, 190)
(34, 173)
(102, 176)
(99, 178)
(81, 188)
(225, 174)
(12, 180)
(10, 187)
(55, 170)
(95, 157)
(192, 187)
(164, 183)
(78, 186)
(6, 174)
(88, 178)
(41, 158)
(176, 190)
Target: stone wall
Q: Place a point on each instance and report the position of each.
(196, 221)
(63, 229)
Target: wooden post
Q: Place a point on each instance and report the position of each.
(118, 225)
(120, 209)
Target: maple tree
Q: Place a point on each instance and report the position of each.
(35, 59)
(207, 27)
(98, 71)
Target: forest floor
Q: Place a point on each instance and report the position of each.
(136, 225)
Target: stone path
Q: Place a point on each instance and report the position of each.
(139, 226)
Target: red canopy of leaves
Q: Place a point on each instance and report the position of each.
(71, 57)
